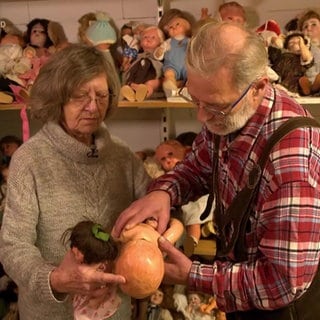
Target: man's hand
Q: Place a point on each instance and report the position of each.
(155, 205)
(177, 265)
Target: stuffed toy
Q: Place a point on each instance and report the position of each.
(177, 26)
(309, 24)
(143, 78)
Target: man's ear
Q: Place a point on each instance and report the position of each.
(77, 254)
(259, 86)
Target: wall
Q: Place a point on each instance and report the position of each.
(141, 128)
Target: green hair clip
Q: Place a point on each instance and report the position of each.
(99, 233)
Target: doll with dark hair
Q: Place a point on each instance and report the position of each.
(91, 244)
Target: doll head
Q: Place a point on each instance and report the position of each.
(8, 145)
(90, 243)
(232, 11)
(157, 297)
(292, 42)
(9, 33)
(176, 24)
(309, 24)
(37, 33)
(84, 22)
(151, 38)
(100, 32)
(169, 153)
(194, 300)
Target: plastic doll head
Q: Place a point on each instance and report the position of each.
(194, 300)
(309, 24)
(169, 153)
(37, 33)
(232, 11)
(9, 144)
(157, 297)
(151, 38)
(84, 22)
(178, 27)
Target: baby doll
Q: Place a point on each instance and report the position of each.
(155, 311)
(143, 77)
(90, 244)
(8, 145)
(229, 11)
(177, 26)
(309, 24)
(169, 153)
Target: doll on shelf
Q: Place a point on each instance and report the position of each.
(169, 153)
(155, 309)
(293, 62)
(177, 26)
(91, 244)
(309, 24)
(143, 78)
(96, 30)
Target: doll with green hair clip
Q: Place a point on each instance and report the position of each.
(91, 244)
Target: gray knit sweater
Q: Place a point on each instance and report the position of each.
(52, 185)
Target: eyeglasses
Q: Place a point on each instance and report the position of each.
(82, 98)
(211, 108)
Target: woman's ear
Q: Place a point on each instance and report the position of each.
(77, 254)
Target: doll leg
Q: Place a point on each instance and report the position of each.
(141, 92)
(316, 84)
(5, 98)
(128, 93)
(305, 85)
(170, 81)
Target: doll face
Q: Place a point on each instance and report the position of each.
(38, 36)
(168, 156)
(194, 300)
(156, 298)
(177, 27)
(294, 45)
(8, 148)
(150, 40)
(311, 28)
(232, 14)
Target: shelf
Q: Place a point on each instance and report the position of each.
(147, 104)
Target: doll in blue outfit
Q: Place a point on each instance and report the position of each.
(177, 27)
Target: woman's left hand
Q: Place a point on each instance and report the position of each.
(72, 277)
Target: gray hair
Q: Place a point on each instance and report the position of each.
(210, 49)
(64, 73)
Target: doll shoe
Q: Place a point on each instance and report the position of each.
(128, 93)
(5, 97)
(141, 92)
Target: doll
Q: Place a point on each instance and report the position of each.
(292, 64)
(177, 26)
(143, 77)
(169, 153)
(155, 311)
(90, 244)
(97, 30)
(309, 24)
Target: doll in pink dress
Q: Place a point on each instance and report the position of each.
(90, 244)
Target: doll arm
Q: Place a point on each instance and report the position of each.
(306, 54)
(161, 50)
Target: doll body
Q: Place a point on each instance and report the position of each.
(173, 52)
(143, 77)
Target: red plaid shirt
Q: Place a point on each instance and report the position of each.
(284, 239)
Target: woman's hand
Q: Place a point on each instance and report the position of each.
(74, 278)
(177, 265)
(155, 205)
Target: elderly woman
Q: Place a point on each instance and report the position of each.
(71, 169)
